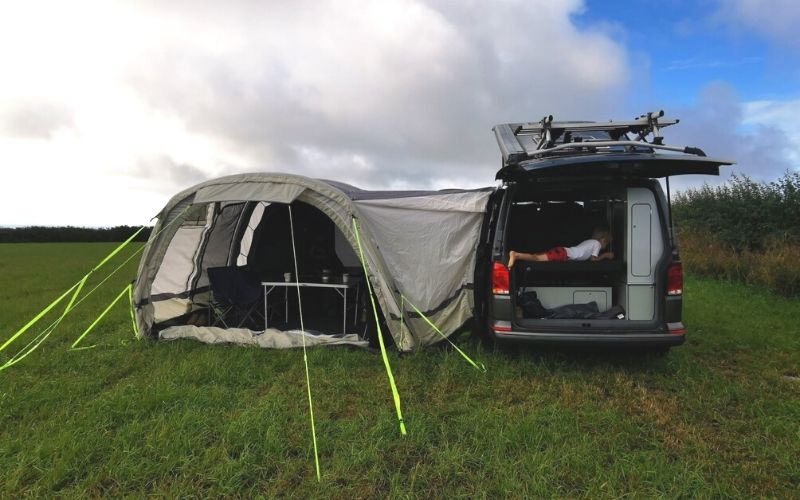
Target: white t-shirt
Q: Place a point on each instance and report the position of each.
(584, 250)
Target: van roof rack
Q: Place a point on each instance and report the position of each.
(526, 141)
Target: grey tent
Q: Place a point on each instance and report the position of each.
(418, 246)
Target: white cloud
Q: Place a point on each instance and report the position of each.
(128, 102)
(781, 115)
(775, 19)
(759, 137)
(34, 119)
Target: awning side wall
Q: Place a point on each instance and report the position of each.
(428, 245)
(430, 253)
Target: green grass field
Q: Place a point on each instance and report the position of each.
(718, 416)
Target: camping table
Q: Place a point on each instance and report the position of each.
(340, 288)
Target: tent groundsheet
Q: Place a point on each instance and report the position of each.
(269, 338)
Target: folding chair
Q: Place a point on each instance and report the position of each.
(236, 294)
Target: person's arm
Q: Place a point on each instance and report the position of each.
(603, 256)
(597, 246)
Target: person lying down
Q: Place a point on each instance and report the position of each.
(585, 250)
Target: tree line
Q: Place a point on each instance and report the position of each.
(70, 234)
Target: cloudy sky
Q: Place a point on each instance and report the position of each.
(107, 108)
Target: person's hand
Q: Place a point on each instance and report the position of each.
(603, 256)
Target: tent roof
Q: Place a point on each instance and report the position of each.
(356, 194)
(215, 189)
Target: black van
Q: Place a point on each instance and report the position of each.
(561, 181)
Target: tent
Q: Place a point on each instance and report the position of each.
(418, 250)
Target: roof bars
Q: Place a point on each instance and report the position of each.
(546, 124)
(652, 126)
(524, 141)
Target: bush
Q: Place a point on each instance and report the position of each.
(744, 214)
(743, 231)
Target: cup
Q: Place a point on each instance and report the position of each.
(287, 277)
(345, 278)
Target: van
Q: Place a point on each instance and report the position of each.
(559, 182)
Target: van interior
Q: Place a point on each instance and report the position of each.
(624, 288)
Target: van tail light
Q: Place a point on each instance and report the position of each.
(675, 279)
(500, 278)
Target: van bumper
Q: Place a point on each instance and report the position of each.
(643, 339)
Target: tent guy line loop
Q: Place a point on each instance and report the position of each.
(22, 354)
(125, 291)
(39, 316)
(478, 366)
(395, 393)
(85, 348)
(305, 354)
(79, 284)
(36, 342)
(74, 302)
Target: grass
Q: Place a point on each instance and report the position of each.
(716, 417)
(776, 267)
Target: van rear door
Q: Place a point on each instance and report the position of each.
(644, 165)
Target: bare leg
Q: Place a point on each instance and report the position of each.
(530, 257)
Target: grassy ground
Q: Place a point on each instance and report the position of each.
(776, 267)
(716, 417)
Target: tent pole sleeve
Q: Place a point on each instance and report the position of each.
(102, 315)
(305, 354)
(478, 366)
(392, 384)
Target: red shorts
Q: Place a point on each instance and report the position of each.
(557, 254)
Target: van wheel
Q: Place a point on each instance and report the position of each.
(659, 352)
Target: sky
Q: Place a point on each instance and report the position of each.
(109, 107)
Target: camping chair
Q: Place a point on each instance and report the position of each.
(235, 295)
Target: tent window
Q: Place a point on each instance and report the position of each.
(196, 216)
(178, 266)
(178, 263)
